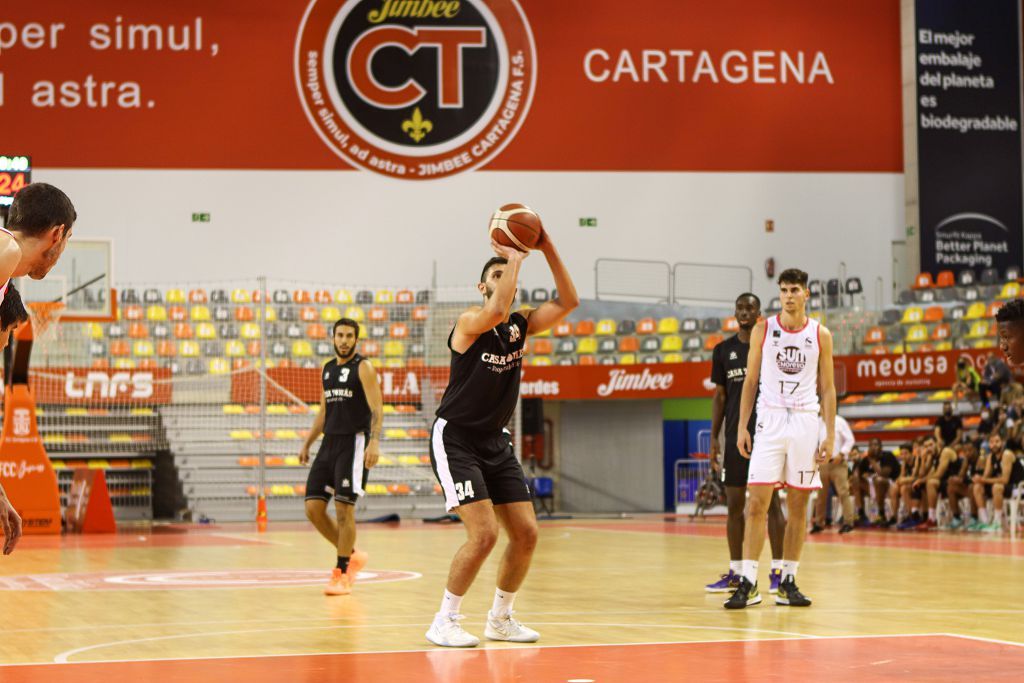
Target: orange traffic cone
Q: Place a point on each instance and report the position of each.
(261, 513)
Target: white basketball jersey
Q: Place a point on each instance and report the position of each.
(789, 367)
(3, 290)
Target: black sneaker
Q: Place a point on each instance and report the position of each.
(790, 595)
(816, 528)
(745, 595)
(845, 529)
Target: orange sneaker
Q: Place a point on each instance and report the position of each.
(340, 584)
(355, 564)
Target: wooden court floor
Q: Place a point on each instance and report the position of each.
(614, 600)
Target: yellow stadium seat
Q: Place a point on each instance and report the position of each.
(606, 327)
(175, 296)
(979, 329)
(330, 314)
(285, 434)
(206, 331)
(199, 314)
(277, 409)
(672, 358)
(818, 316)
(241, 296)
(241, 435)
(377, 363)
(219, 366)
(394, 349)
(250, 331)
(984, 344)
(944, 346)
(233, 409)
(976, 311)
(396, 433)
(156, 313)
(541, 361)
(394, 363)
(587, 346)
(668, 326)
(384, 296)
(124, 364)
(355, 313)
(343, 296)
(545, 333)
(671, 343)
(234, 349)
(188, 349)
(627, 359)
(1011, 290)
(142, 348)
(917, 333)
(269, 313)
(93, 330)
(302, 349)
(913, 314)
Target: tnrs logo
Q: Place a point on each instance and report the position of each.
(102, 385)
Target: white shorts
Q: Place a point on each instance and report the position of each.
(785, 450)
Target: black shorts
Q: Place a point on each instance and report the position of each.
(472, 466)
(338, 471)
(735, 467)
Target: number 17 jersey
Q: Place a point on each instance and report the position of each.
(789, 367)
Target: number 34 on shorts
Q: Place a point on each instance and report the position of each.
(464, 489)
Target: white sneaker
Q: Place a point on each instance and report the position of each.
(447, 632)
(507, 628)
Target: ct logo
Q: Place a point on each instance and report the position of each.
(415, 88)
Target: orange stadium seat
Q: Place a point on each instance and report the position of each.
(420, 313)
(183, 331)
(879, 350)
(584, 328)
(541, 347)
(945, 279)
(399, 330)
(253, 348)
(923, 281)
(587, 360)
(138, 331)
(119, 348)
(874, 335)
(377, 314)
(301, 296)
(323, 296)
(244, 314)
(730, 325)
(993, 308)
(562, 329)
(646, 326)
(369, 348)
(934, 314)
(177, 313)
(404, 296)
(629, 345)
(309, 314)
(316, 331)
(133, 312)
(711, 341)
(198, 296)
(941, 331)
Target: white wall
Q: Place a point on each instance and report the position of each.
(349, 227)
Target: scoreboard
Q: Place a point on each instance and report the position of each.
(15, 173)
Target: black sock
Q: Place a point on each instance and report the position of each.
(342, 564)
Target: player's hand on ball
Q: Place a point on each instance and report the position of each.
(304, 455)
(743, 442)
(510, 253)
(372, 453)
(825, 450)
(11, 524)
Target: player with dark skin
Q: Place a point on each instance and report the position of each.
(1010, 319)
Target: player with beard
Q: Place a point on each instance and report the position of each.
(471, 450)
(728, 370)
(350, 418)
(39, 223)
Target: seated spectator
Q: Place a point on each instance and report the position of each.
(958, 485)
(949, 427)
(1003, 471)
(995, 377)
(927, 462)
(903, 487)
(946, 463)
(872, 475)
(968, 381)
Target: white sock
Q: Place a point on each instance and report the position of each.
(997, 517)
(983, 515)
(789, 568)
(736, 566)
(776, 565)
(503, 600)
(749, 570)
(450, 603)
(931, 514)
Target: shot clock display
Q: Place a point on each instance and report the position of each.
(15, 173)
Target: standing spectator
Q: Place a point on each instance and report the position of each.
(834, 471)
(995, 377)
(968, 381)
(949, 428)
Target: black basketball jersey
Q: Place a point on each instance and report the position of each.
(997, 464)
(484, 383)
(347, 409)
(729, 370)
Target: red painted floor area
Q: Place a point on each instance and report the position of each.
(907, 658)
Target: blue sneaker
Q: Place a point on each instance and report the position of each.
(909, 523)
(776, 578)
(727, 584)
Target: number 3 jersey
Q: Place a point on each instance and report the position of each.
(789, 367)
(347, 409)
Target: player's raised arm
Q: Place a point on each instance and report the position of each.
(550, 313)
(743, 440)
(827, 392)
(375, 400)
(479, 319)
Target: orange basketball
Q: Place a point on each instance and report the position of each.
(517, 226)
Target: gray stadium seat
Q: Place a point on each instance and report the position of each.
(273, 331)
(219, 296)
(946, 295)
(281, 296)
(279, 349)
(966, 277)
(309, 364)
(97, 348)
(194, 366)
(566, 346)
(152, 296)
(924, 296)
(364, 296)
(378, 331)
(956, 313)
(816, 288)
(417, 349)
(689, 326)
(221, 313)
(627, 327)
(775, 305)
(970, 294)
(649, 344)
(1013, 273)
(539, 295)
(161, 331)
(423, 296)
(567, 360)
(606, 345)
(227, 331)
(608, 360)
(129, 296)
(890, 316)
(651, 360)
(212, 349)
(294, 331)
(287, 314)
(711, 325)
(905, 298)
(324, 348)
(989, 276)
(693, 344)
(115, 330)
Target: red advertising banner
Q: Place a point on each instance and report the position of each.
(428, 88)
(582, 382)
(75, 386)
(909, 372)
(398, 385)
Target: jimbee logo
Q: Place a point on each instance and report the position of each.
(415, 88)
(791, 360)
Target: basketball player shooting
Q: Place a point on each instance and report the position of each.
(39, 224)
(471, 451)
(789, 370)
(350, 418)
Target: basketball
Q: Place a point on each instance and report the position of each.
(517, 226)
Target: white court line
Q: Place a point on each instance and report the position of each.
(63, 657)
(254, 541)
(984, 640)
(456, 651)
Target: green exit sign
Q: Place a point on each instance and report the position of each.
(200, 218)
(589, 222)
